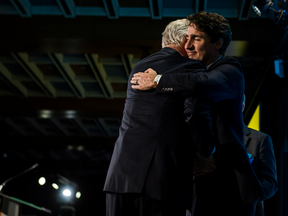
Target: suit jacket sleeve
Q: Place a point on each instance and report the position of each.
(219, 84)
(266, 168)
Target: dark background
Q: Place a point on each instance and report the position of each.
(64, 67)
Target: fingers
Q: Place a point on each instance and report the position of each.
(139, 74)
(135, 86)
(145, 81)
(150, 70)
(133, 80)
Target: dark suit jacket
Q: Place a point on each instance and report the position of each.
(264, 163)
(223, 84)
(154, 151)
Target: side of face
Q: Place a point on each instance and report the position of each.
(199, 47)
(182, 49)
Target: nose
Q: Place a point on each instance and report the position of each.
(189, 44)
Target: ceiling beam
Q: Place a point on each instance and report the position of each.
(67, 74)
(59, 126)
(127, 63)
(244, 9)
(12, 124)
(200, 5)
(78, 124)
(134, 12)
(100, 75)
(37, 78)
(47, 10)
(23, 7)
(104, 122)
(37, 73)
(102, 127)
(8, 10)
(35, 125)
(156, 8)
(112, 8)
(8, 78)
(67, 7)
(90, 11)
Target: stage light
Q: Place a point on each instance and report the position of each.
(70, 114)
(262, 6)
(78, 195)
(66, 192)
(55, 186)
(45, 113)
(280, 17)
(70, 147)
(42, 181)
(80, 148)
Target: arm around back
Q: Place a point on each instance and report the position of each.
(223, 82)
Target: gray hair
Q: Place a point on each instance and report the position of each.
(175, 33)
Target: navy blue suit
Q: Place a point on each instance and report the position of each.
(154, 151)
(234, 183)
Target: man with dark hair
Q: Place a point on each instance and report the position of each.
(150, 173)
(216, 27)
(234, 183)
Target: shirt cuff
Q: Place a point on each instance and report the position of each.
(157, 79)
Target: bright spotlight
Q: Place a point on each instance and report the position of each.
(78, 195)
(262, 6)
(55, 186)
(67, 193)
(80, 148)
(45, 113)
(42, 181)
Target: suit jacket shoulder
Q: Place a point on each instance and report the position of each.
(227, 60)
(254, 134)
(260, 146)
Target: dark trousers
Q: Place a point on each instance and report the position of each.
(140, 205)
(217, 196)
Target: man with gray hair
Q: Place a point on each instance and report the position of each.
(151, 170)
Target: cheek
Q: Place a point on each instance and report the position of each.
(202, 51)
(199, 48)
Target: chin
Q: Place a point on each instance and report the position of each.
(193, 57)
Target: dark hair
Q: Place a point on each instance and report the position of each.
(215, 25)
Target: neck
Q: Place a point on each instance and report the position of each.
(179, 49)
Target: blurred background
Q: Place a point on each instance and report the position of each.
(64, 68)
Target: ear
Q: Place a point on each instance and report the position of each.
(219, 43)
